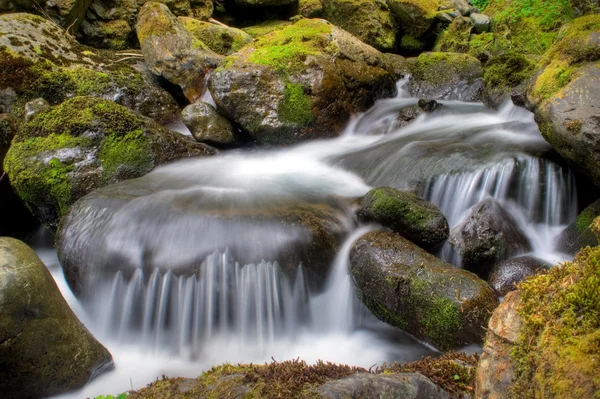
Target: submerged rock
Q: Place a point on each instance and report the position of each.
(170, 50)
(565, 93)
(300, 82)
(38, 60)
(83, 144)
(405, 213)
(45, 350)
(578, 234)
(505, 275)
(413, 290)
(447, 76)
(207, 125)
(489, 234)
(221, 39)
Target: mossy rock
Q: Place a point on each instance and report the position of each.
(415, 16)
(503, 74)
(447, 76)
(455, 38)
(67, 14)
(299, 82)
(45, 350)
(405, 213)
(169, 50)
(38, 60)
(413, 290)
(263, 3)
(206, 125)
(369, 20)
(8, 129)
(564, 93)
(310, 8)
(266, 27)
(554, 325)
(222, 40)
(82, 144)
(579, 234)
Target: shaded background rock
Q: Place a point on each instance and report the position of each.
(578, 234)
(505, 275)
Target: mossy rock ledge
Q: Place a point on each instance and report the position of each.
(413, 290)
(44, 350)
(300, 82)
(579, 234)
(39, 60)
(83, 144)
(405, 213)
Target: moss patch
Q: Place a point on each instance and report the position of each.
(438, 68)
(266, 28)
(161, 24)
(296, 106)
(220, 39)
(132, 151)
(507, 71)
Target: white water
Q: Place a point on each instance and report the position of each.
(158, 323)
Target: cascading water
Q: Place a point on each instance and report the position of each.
(159, 316)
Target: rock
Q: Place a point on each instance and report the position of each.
(310, 8)
(405, 213)
(83, 144)
(488, 235)
(60, 68)
(300, 82)
(369, 20)
(463, 7)
(415, 16)
(578, 234)
(66, 13)
(447, 76)
(34, 108)
(565, 93)
(508, 273)
(207, 125)
(45, 350)
(412, 45)
(494, 375)
(429, 105)
(393, 385)
(481, 23)
(266, 27)
(398, 64)
(407, 115)
(455, 37)
(262, 3)
(413, 290)
(169, 50)
(8, 129)
(503, 75)
(222, 40)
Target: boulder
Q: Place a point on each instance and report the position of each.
(369, 20)
(45, 349)
(8, 129)
(83, 144)
(300, 82)
(310, 8)
(207, 125)
(503, 75)
(169, 50)
(505, 275)
(398, 64)
(67, 13)
(564, 94)
(455, 38)
(413, 290)
(489, 234)
(481, 23)
(221, 39)
(38, 60)
(447, 76)
(406, 214)
(415, 16)
(578, 234)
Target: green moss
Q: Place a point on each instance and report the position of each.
(507, 71)
(266, 28)
(209, 36)
(296, 106)
(429, 8)
(132, 151)
(410, 43)
(159, 23)
(438, 68)
(558, 349)
(455, 38)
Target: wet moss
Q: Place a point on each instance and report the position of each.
(412, 44)
(296, 106)
(266, 28)
(507, 71)
(438, 68)
(131, 151)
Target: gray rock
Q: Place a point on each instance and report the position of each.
(508, 273)
(34, 107)
(378, 386)
(578, 234)
(413, 290)
(398, 64)
(489, 234)
(481, 23)
(463, 7)
(45, 349)
(207, 125)
(405, 213)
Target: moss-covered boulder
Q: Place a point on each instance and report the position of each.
(310, 8)
(447, 76)
(405, 213)
(415, 16)
(221, 39)
(579, 234)
(266, 27)
(455, 38)
(82, 144)
(37, 59)
(413, 290)
(507, 274)
(171, 52)
(300, 82)
(44, 348)
(8, 129)
(66, 13)
(565, 92)
(553, 326)
(489, 234)
(369, 20)
(399, 65)
(111, 23)
(503, 74)
(207, 125)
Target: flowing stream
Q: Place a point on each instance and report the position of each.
(242, 308)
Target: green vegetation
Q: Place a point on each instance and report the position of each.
(480, 4)
(558, 350)
(410, 43)
(439, 68)
(266, 28)
(507, 71)
(296, 106)
(131, 151)
(121, 396)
